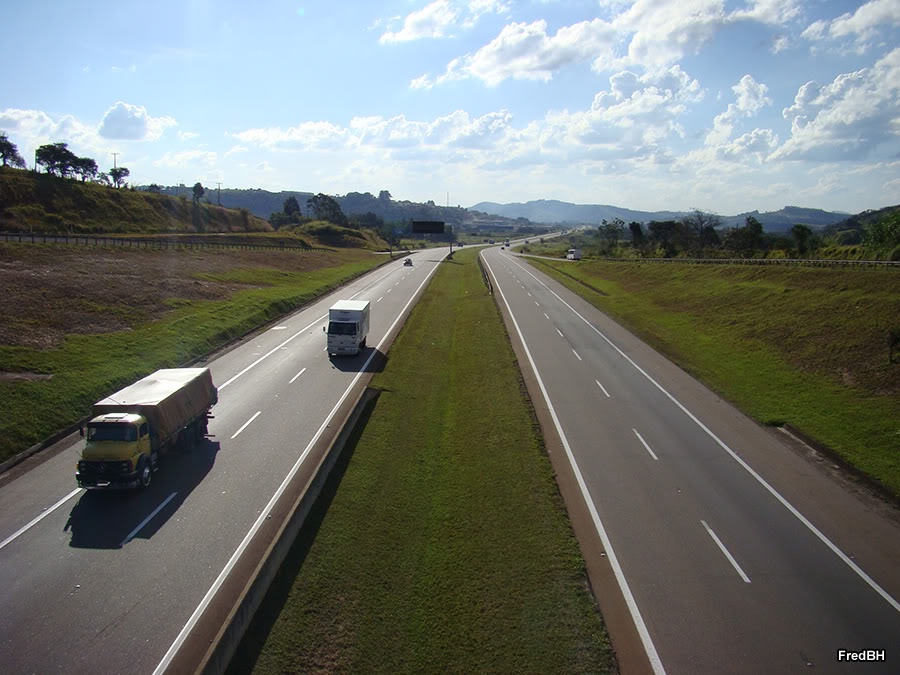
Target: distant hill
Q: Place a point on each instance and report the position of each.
(553, 211)
(263, 203)
(851, 229)
(42, 203)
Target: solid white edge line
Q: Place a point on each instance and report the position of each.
(603, 388)
(297, 375)
(725, 551)
(644, 443)
(39, 518)
(576, 354)
(204, 603)
(762, 481)
(299, 332)
(246, 424)
(639, 624)
(147, 520)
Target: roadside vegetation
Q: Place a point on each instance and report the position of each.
(816, 348)
(446, 546)
(871, 236)
(82, 321)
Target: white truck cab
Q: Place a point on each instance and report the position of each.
(348, 327)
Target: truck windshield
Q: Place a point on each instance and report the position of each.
(109, 431)
(341, 328)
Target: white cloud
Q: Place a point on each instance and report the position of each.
(236, 149)
(758, 143)
(751, 97)
(429, 22)
(33, 128)
(779, 44)
(118, 69)
(304, 136)
(847, 119)
(773, 12)
(175, 160)
(187, 135)
(862, 25)
(423, 82)
(526, 51)
(132, 123)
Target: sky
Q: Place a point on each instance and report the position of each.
(726, 106)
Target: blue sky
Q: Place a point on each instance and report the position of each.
(720, 105)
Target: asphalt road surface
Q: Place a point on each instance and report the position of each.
(104, 582)
(733, 553)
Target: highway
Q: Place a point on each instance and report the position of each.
(731, 552)
(118, 582)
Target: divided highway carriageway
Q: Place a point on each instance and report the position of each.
(731, 553)
(139, 582)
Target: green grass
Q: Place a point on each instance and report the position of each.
(446, 547)
(802, 346)
(87, 367)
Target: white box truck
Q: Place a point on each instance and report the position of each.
(348, 326)
(574, 254)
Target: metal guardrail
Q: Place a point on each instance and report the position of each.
(800, 262)
(146, 243)
(485, 275)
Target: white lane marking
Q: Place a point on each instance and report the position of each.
(536, 303)
(529, 294)
(300, 332)
(39, 518)
(727, 554)
(278, 328)
(644, 443)
(246, 424)
(762, 481)
(297, 375)
(545, 314)
(380, 299)
(603, 388)
(558, 331)
(576, 354)
(639, 624)
(147, 520)
(204, 603)
(390, 289)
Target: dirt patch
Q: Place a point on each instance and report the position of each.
(51, 291)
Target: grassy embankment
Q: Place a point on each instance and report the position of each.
(42, 203)
(446, 547)
(96, 319)
(805, 346)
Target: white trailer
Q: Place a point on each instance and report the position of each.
(348, 327)
(573, 254)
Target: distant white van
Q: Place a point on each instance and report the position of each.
(574, 254)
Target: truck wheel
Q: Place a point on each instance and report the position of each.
(145, 473)
(362, 345)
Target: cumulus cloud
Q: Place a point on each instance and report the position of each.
(236, 149)
(432, 21)
(758, 143)
(751, 97)
(132, 123)
(862, 25)
(304, 136)
(32, 128)
(848, 118)
(174, 160)
(187, 135)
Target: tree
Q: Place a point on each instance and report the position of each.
(85, 167)
(103, 179)
(10, 153)
(745, 240)
(291, 206)
(700, 229)
(198, 191)
(154, 188)
(118, 175)
(384, 196)
(664, 233)
(612, 232)
(801, 233)
(56, 158)
(637, 234)
(326, 208)
(884, 233)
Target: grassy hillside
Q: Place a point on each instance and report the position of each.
(806, 346)
(42, 203)
(90, 319)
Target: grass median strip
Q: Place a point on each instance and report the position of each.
(446, 546)
(804, 346)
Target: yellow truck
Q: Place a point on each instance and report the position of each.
(131, 429)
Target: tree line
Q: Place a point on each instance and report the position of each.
(58, 160)
(700, 235)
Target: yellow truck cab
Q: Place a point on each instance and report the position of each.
(115, 444)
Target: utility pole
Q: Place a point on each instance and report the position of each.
(219, 193)
(115, 154)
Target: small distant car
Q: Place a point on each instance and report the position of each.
(408, 262)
